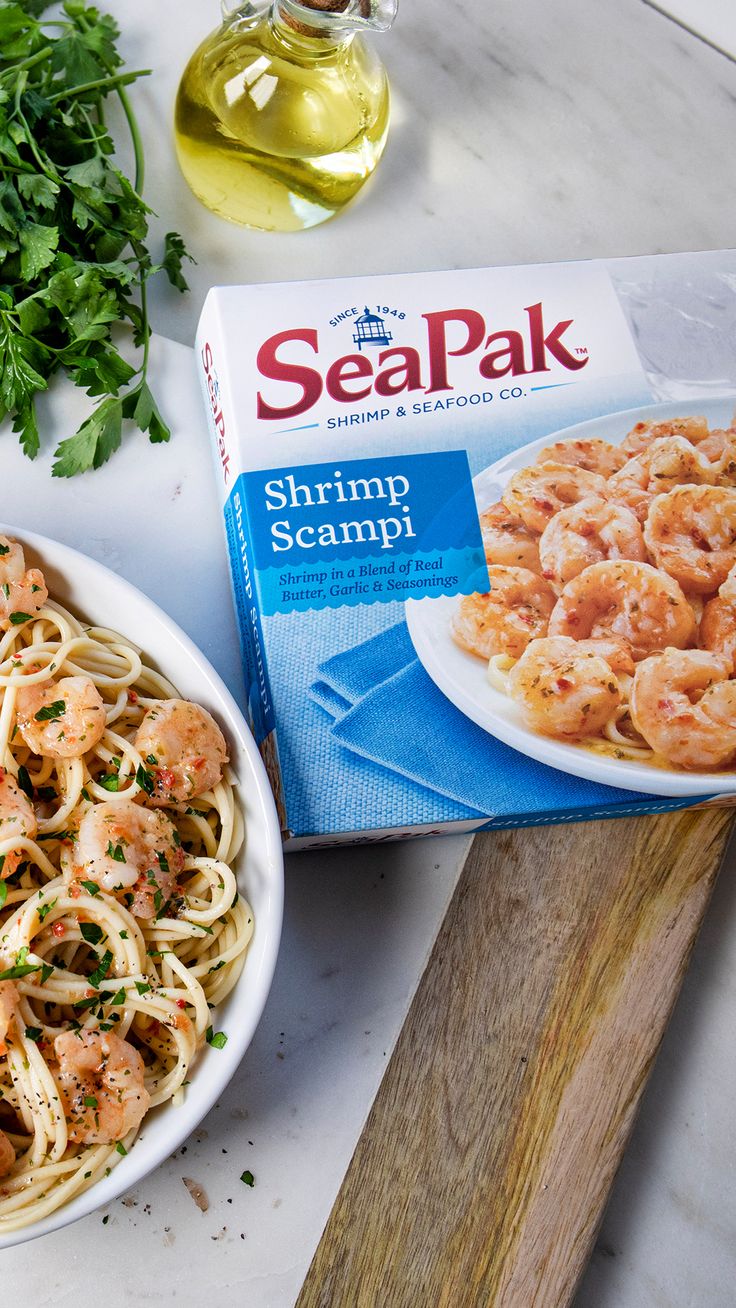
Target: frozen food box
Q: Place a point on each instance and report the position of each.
(478, 523)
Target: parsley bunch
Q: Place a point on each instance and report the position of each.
(73, 229)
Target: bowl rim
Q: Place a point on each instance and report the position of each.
(139, 1163)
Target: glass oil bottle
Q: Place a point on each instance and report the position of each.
(282, 113)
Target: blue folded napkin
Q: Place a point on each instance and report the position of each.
(386, 708)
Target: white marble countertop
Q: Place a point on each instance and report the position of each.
(523, 130)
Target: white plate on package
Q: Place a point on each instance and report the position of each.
(462, 677)
(94, 593)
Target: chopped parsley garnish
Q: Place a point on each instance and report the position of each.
(6, 590)
(34, 1033)
(87, 1003)
(162, 862)
(19, 969)
(123, 935)
(158, 900)
(142, 987)
(55, 835)
(116, 852)
(102, 969)
(50, 712)
(17, 618)
(91, 932)
(45, 909)
(46, 794)
(3, 892)
(217, 1039)
(109, 782)
(4, 549)
(91, 887)
(216, 967)
(89, 1101)
(144, 779)
(24, 781)
(248, 1179)
(118, 998)
(46, 971)
(151, 758)
(121, 1148)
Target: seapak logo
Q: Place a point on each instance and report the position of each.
(450, 334)
(218, 417)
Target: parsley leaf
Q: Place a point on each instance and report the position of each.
(102, 969)
(50, 712)
(91, 932)
(217, 1039)
(74, 260)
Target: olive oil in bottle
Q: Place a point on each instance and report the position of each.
(282, 113)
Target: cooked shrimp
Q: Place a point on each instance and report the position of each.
(507, 541)
(643, 433)
(184, 747)
(567, 688)
(691, 533)
(7, 1155)
(131, 852)
(100, 1080)
(625, 601)
(535, 494)
(22, 590)
(586, 533)
(593, 455)
(720, 448)
(503, 621)
(63, 718)
(684, 706)
(666, 463)
(718, 623)
(17, 820)
(8, 1003)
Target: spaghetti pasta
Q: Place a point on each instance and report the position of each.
(105, 991)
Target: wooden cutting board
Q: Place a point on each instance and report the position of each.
(483, 1170)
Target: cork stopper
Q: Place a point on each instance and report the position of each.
(323, 7)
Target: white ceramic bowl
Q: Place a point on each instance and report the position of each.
(94, 593)
(462, 677)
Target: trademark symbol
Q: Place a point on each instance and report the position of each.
(581, 349)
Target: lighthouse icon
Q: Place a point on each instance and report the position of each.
(371, 330)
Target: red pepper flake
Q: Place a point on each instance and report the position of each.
(165, 778)
(75, 890)
(132, 697)
(563, 683)
(58, 929)
(181, 1003)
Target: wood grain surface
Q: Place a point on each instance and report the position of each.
(483, 1170)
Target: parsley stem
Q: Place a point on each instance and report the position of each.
(40, 57)
(135, 137)
(101, 84)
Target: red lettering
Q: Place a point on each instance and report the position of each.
(269, 365)
(512, 356)
(207, 357)
(438, 348)
(541, 343)
(349, 368)
(408, 375)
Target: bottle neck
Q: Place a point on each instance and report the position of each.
(306, 27)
